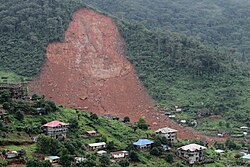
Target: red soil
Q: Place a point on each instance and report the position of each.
(89, 70)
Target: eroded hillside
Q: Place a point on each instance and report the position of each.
(89, 70)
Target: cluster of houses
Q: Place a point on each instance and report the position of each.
(192, 153)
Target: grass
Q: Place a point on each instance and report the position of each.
(30, 149)
(12, 77)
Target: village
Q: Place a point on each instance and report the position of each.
(163, 141)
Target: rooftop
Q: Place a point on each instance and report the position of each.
(119, 152)
(91, 132)
(97, 144)
(246, 157)
(53, 157)
(101, 152)
(192, 147)
(219, 151)
(142, 142)
(166, 130)
(54, 124)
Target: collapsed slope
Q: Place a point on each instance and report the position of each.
(89, 70)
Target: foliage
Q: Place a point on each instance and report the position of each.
(27, 27)
(124, 163)
(126, 119)
(48, 145)
(65, 159)
(219, 23)
(170, 158)
(38, 163)
(155, 151)
(134, 156)
(142, 124)
(105, 161)
(5, 96)
(230, 144)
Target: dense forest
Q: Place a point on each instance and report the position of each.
(221, 23)
(175, 68)
(26, 28)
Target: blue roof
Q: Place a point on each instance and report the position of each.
(142, 142)
(246, 156)
(53, 157)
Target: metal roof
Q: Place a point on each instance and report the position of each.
(192, 147)
(142, 142)
(97, 144)
(166, 130)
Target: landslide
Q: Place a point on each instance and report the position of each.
(89, 70)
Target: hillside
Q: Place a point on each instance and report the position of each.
(176, 69)
(220, 23)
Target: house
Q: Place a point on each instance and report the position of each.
(56, 129)
(79, 160)
(34, 138)
(11, 154)
(101, 152)
(96, 146)
(143, 144)
(247, 158)
(170, 134)
(91, 133)
(219, 151)
(40, 111)
(52, 159)
(244, 128)
(192, 153)
(119, 154)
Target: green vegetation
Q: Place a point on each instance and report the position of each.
(26, 28)
(223, 24)
(176, 69)
(118, 136)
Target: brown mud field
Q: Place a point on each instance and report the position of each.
(89, 70)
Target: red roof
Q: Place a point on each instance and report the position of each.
(54, 124)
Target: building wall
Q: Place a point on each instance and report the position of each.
(56, 131)
(191, 156)
(172, 137)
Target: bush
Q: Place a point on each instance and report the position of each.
(38, 163)
(124, 163)
(155, 151)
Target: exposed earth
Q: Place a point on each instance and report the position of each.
(89, 70)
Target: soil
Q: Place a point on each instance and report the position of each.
(89, 70)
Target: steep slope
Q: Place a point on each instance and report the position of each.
(216, 22)
(89, 70)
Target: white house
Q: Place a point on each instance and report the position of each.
(96, 146)
(192, 153)
(170, 134)
(119, 154)
(101, 152)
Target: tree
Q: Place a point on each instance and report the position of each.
(5, 95)
(134, 156)
(170, 158)
(65, 159)
(110, 145)
(126, 119)
(105, 161)
(230, 144)
(73, 124)
(48, 145)
(155, 151)
(38, 163)
(93, 117)
(142, 124)
(19, 115)
(124, 163)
